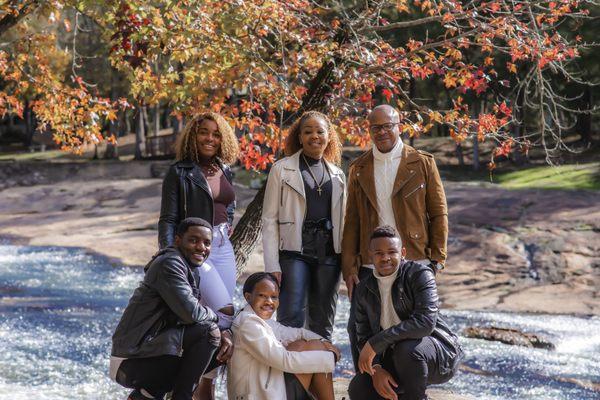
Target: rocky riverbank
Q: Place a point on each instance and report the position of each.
(513, 250)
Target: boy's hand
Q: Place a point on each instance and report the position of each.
(384, 383)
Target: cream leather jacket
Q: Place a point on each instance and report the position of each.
(255, 371)
(284, 209)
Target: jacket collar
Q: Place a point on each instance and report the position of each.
(395, 152)
(292, 164)
(365, 170)
(372, 285)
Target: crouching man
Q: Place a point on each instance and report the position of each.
(404, 342)
(166, 338)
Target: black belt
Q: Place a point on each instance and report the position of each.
(323, 224)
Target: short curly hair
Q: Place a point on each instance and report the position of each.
(386, 231)
(186, 144)
(333, 151)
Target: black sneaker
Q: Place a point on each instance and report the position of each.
(136, 395)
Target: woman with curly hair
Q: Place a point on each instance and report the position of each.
(199, 184)
(303, 216)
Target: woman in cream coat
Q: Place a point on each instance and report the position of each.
(303, 217)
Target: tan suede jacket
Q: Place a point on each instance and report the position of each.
(419, 204)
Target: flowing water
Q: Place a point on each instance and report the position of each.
(58, 308)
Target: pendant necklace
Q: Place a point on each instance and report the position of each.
(320, 184)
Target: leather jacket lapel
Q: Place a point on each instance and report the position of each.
(337, 184)
(364, 175)
(196, 176)
(405, 173)
(291, 176)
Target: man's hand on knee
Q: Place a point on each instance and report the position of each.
(384, 383)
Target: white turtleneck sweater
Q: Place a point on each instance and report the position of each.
(385, 169)
(389, 317)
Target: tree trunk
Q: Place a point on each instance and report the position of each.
(139, 133)
(124, 125)
(248, 229)
(475, 153)
(156, 119)
(460, 155)
(176, 123)
(23, 8)
(584, 120)
(29, 124)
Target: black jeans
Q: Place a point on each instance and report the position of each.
(363, 273)
(412, 363)
(162, 374)
(308, 292)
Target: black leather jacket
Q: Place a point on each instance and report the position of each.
(185, 193)
(165, 301)
(415, 301)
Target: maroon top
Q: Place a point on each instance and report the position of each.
(222, 192)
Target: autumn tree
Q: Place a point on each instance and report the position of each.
(261, 63)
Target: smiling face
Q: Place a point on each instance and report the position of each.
(383, 128)
(264, 299)
(208, 139)
(386, 254)
(195, 244)
(314, 137)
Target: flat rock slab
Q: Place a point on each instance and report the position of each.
(509, 250)
(340, 386)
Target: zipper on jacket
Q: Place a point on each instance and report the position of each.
(305, 208)
(181, 341)
(184, 199)
(268, 379)
(421, 186)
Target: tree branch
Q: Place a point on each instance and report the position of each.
(9, 19)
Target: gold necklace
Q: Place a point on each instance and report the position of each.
(319, 185)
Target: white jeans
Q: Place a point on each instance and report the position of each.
(217, 275)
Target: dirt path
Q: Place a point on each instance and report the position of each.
(525, 250)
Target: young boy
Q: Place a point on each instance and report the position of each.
(404, 342)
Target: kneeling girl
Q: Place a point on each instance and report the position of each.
(272, 361)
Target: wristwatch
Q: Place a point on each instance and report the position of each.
(436, 266)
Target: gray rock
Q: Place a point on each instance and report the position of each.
(508, 336)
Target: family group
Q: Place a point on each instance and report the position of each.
(384, 230)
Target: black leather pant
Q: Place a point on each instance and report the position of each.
(162, 374)
(363, 273)
(412, 363)
(308, 292)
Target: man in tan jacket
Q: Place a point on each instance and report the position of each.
(392, 184)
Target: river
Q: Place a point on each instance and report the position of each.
(59, 306)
